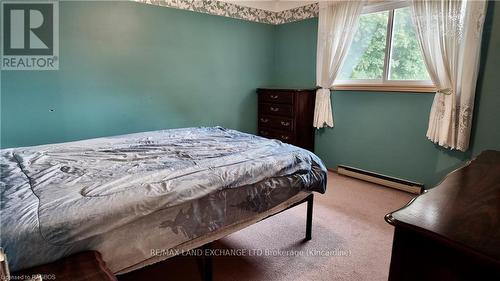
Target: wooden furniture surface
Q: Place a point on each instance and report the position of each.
(84, 266)
(287, 115)
(451, 232)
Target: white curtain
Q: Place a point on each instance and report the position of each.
(449, 33)
(338, 21)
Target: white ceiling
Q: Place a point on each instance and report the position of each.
(271, 5)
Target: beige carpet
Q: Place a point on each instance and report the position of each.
(351, 241)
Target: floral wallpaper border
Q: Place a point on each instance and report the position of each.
(239, 12)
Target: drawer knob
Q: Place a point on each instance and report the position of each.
(275, 109)
(286, 124)
(274, 97)
(264, 120)
(284, 137)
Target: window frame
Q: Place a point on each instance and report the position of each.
(421, 86)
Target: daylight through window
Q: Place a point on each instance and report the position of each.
(385, 51)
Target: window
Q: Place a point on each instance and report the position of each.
(385, 55)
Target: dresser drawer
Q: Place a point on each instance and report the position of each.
(287, 137)
(287, 115)
(276, 97)
(276, 109)
(280, 123)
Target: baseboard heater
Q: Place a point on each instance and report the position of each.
(396, 183)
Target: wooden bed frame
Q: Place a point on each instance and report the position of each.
(206, 262)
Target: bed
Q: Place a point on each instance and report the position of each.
(141, 198)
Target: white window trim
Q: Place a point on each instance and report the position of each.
(380, 6)
(384, 84)
(414, 86)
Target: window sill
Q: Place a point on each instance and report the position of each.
(426, 89)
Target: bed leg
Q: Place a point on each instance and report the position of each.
(207, 262)
(310, 200)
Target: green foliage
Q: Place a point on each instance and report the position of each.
(406, 60)
(365, 59)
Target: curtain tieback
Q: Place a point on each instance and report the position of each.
(323, 90)
(445, 91)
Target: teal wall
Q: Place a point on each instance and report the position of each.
(486, 127)
(129, 67)
(385, 131)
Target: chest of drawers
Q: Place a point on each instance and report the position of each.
(287, 115)
(454, 227)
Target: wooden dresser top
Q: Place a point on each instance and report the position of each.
(463, 211)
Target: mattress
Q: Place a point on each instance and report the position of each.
(161, 247)
(126, 195)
